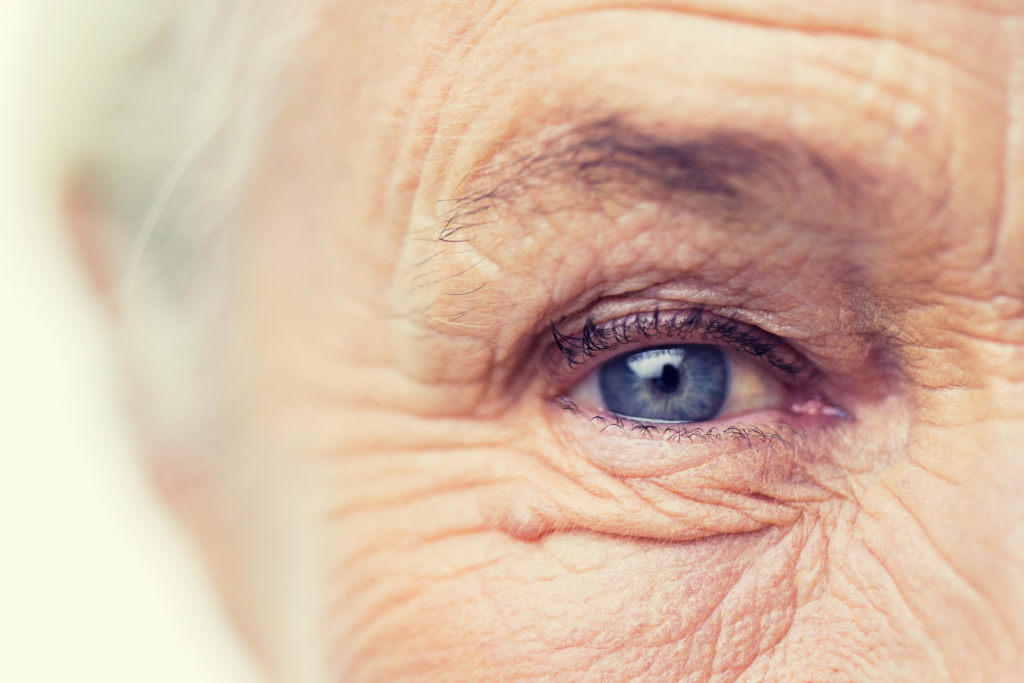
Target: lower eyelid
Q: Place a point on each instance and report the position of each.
(763, 457)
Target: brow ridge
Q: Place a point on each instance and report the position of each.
(719, 170)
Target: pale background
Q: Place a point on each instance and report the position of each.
(97, 584)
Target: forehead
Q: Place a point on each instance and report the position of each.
(902, 71)
(916, 104)
(923, 98)
(927, 85)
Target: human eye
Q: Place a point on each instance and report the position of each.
(686, 369)
(676, 384)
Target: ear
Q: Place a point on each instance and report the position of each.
(92, 234)
(191, 492)
(88, 227)
(91, 231)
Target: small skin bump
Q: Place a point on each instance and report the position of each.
(523, 522)
(815, 407)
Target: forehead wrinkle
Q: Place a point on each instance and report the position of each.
(866, 19)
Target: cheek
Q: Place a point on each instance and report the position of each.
(421, 584)
(571, 606)
(423, 579)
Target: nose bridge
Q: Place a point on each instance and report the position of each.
(967, 421)
(962, 389)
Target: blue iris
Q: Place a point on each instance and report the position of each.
(685, 383)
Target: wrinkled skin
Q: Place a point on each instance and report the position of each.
(397, 499)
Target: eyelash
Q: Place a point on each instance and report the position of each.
(596, 339)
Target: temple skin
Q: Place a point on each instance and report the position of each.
(393, 497)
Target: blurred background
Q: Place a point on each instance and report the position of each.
(96, 581)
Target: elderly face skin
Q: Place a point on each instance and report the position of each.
(404, 496)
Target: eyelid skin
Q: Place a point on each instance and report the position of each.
(780, 418)
(572, 356)
(687, 325)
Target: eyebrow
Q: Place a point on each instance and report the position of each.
(736, 174)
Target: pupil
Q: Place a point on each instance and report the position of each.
(669, 381)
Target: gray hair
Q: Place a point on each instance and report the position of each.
(159, 107)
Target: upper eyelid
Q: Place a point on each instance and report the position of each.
(594, 339)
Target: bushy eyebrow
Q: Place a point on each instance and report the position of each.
(737, 172)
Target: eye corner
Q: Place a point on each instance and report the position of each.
(819, 407)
